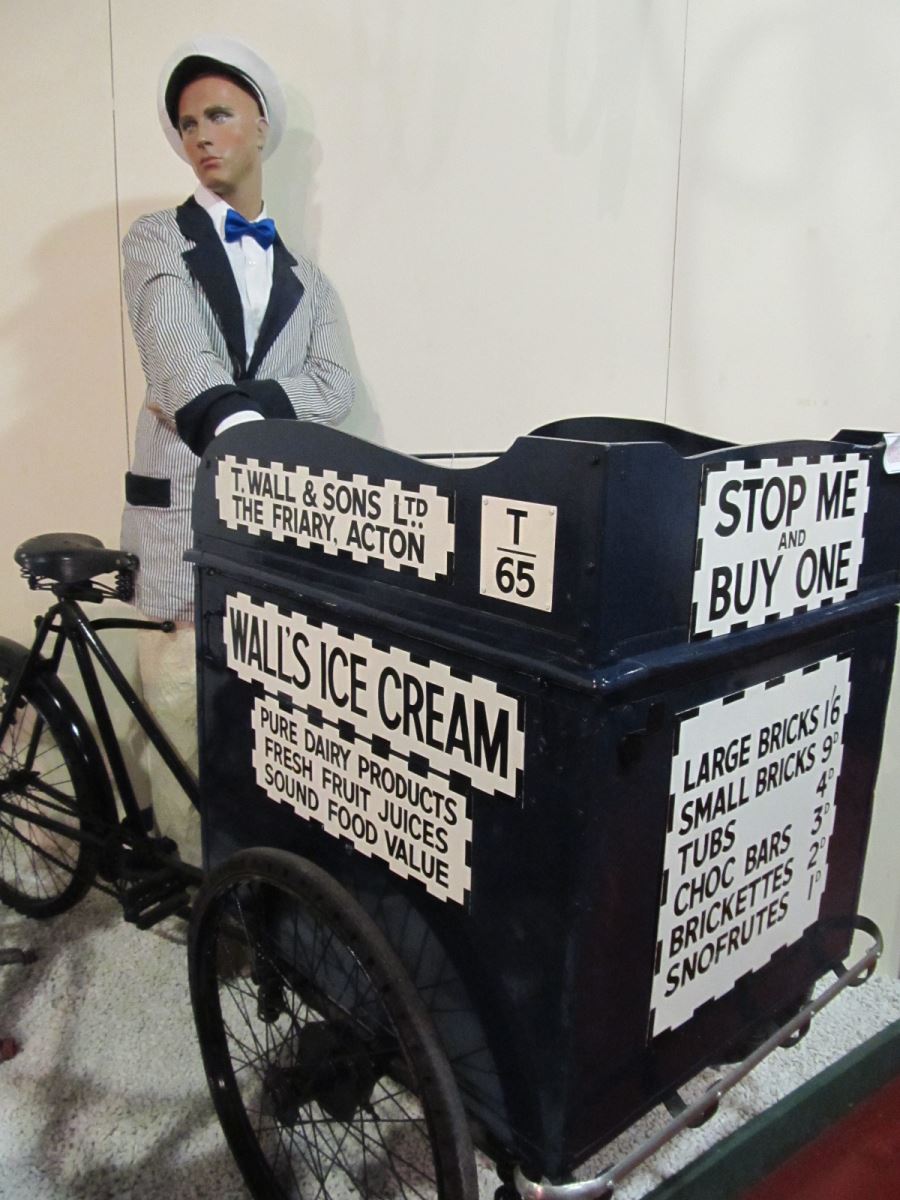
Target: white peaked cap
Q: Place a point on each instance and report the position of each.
(236, 57)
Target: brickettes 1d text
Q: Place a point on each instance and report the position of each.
(384, 523)
(377, 747)
(776, 538)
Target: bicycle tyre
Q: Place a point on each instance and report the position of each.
(305, 1018)
(43, 872)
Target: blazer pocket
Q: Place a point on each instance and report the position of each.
(145, 491)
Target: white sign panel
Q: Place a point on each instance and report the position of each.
(386, 523)
(518, 548)
(777, 538)
(366, 740)
(412, 822)
(752, 809)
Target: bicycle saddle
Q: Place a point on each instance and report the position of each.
(70, 557)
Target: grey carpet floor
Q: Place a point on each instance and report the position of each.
(107, 1097)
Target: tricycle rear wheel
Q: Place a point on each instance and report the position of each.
(323, 1065)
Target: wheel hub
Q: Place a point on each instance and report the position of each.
(17, 782)
(332, 1067)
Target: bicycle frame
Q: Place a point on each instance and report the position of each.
(68, 622)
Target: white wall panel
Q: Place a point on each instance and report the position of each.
(62, 430)
(786, 303)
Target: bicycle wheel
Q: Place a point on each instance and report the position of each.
(322, 1062)
(44, 871)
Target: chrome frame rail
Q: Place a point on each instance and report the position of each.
(704, 1106)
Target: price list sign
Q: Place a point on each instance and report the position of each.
(751, 812)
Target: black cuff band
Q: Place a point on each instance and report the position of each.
(198, 420)
(148, 492)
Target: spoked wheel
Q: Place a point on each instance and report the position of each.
(323, 1064)
(43, 776)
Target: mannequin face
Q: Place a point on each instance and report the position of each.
(223, 134)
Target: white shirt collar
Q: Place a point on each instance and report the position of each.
(218, 208)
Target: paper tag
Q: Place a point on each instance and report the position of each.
(892, 453)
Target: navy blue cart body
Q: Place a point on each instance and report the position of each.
(592, 729)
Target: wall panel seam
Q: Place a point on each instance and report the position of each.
(117, 203)
(687, 6)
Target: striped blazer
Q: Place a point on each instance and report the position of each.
(188, 323)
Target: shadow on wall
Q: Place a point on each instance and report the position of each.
(62, 412)
(292, 199)
(769, 252)
(600, 119)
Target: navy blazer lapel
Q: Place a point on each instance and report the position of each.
(283, 299)
(209, 265)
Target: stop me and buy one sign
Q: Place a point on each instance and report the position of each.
(775, 538)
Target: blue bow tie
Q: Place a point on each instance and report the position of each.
(237, 227)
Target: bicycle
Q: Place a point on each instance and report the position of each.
(67, 814)
(349, 1013)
